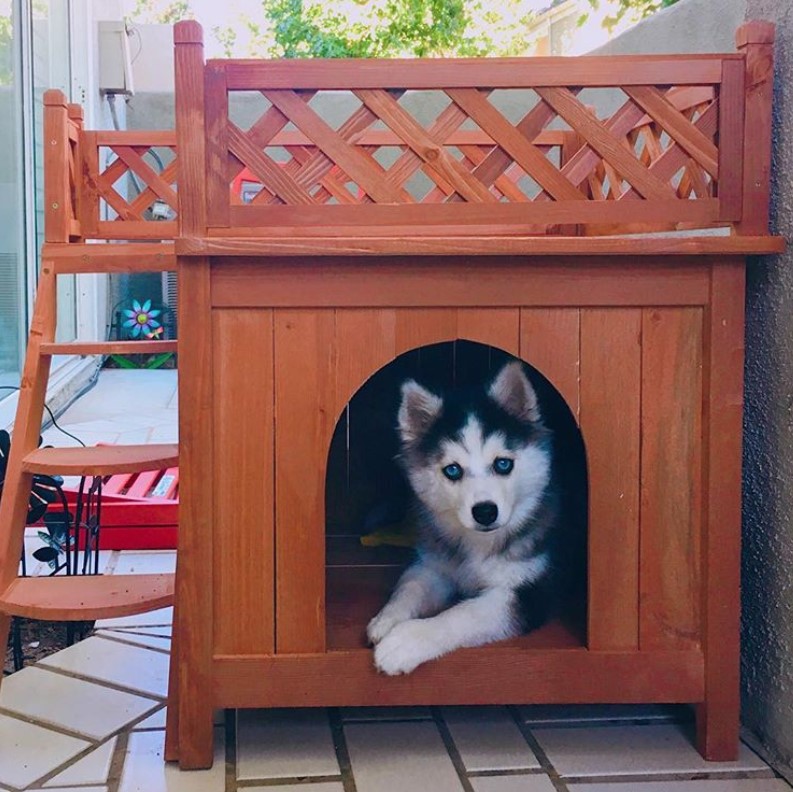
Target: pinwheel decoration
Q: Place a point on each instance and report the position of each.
(142, 320)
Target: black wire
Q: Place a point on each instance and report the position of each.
(52, 417)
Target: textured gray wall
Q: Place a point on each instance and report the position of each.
(768, 455)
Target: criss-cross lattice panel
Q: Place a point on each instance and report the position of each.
(130, 184)
(527, 150)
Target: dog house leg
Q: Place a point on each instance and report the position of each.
(172, 714)
(718, 714)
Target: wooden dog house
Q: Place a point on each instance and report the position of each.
(591, 216)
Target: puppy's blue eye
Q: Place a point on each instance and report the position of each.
(503, 466)
(453, 472)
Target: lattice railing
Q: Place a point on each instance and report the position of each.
(592, 145)
(528, 146)
(129, 183)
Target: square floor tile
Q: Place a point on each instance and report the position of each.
(161, 617)
(632, 750)
(128, 666)
(91, 769)
(393, 757)
(487, 738)
(515, 783)
(550, 714)
(152, 563)
(284, 744)
(721, 785)
(352, 714)
(93, 710)
(28, 752)
(145, 769)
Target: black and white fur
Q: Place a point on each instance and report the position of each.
(486, 525)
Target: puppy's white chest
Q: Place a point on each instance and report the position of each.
(476, 574)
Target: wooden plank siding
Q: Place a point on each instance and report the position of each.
(610, 422)
(244, 482)
(671, 487)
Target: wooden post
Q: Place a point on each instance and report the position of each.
(718, 715)
(76, 155)
(190, 730)
(57, 152)
(756, 41)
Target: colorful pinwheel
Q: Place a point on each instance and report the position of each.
(141, 320)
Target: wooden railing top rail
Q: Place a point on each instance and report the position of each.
(442, 73)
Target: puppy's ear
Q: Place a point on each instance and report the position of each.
(417, 412)
(512, 390)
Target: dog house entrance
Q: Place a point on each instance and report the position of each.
(369, 532)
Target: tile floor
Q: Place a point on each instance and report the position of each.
(92, 717)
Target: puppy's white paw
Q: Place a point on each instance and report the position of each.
(382, 624)
(406, 647)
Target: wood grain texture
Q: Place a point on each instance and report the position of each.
(216, 117)
(758, 51)
(718, 717)
(194, 616)
(129, 257)
(355, 242)
(493, 675)
(671, 486)
(510, 140)
(196, 525)
(610, 422)
(519, 217)
(731, 132)
(100, 460)
(597, 136)
(57, 152)
(698, 146)
(362, 169)
(446, 282)
(246, 75)
(244, 563)
(365, 341)
(550, 341)
(83, 599)
(306, 409)
(109, 347)
(27, 427)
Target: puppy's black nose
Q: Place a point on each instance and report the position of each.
(485, 513)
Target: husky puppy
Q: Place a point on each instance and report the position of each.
(479, 464)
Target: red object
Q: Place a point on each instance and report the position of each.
(140, 511)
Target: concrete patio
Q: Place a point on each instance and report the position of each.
(92, 717)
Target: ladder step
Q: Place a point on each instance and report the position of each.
(86, 597)
(101, 460)
(109, 348)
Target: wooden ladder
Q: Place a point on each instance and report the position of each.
(81, 598)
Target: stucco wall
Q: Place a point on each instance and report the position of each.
(768, 479)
